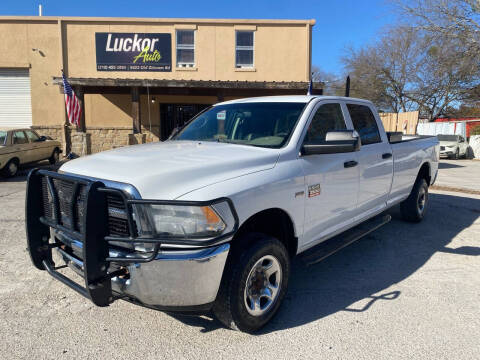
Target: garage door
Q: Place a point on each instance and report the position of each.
(15, 100)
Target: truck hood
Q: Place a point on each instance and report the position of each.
(167, 170)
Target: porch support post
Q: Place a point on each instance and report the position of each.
(79, 92)
(136, 110)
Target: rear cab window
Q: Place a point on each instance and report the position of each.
(364, 123)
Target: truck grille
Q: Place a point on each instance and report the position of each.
(71, 205)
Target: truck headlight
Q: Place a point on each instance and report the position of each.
(184, 221)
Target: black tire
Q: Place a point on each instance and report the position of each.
(10, 169)
(457, 154)
(230, 307)
(55, 157)
(413, 208)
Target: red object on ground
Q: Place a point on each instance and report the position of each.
(470, 122)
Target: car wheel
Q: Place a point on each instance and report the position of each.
(253, 284)
(55, 157)
(413, 209)
(11, 168)
(457, 154)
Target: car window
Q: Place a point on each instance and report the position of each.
(19, 138)
(328, 117)
(365, 124)
(31, 135)
(3, 137)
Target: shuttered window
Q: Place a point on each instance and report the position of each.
(15, 99)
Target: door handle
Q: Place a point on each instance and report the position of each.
(387, 156)
(349, 164)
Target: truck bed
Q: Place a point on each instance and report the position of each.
(398, 137)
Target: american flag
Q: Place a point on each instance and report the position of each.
(72, 102)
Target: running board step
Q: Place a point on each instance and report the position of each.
(338, 242)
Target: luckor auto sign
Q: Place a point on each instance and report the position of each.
(133, 52)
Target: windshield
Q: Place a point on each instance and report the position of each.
(257, 124)
(447, 137)
(3, 137)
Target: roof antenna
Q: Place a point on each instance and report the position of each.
(347, 87)
(310, 85)
(40, 10)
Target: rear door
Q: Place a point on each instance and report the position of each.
(331, 186)
(21, 146)
(375, 159)
(38, 149)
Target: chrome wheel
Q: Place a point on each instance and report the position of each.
(422, 200)
(263, 285)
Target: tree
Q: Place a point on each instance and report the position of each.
(381, 71)
(451, 19)
(443, 76)
(411, 69)
(330, 81)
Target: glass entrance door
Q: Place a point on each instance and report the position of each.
(176, 115)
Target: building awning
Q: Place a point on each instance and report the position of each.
(102, 85)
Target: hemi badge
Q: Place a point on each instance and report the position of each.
(314, 190)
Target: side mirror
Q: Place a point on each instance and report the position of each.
(42, 138)
(341, 141)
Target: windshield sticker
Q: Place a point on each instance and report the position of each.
(222, 115)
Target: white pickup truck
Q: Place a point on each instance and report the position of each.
(210, 219)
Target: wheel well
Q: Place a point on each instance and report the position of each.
(424, 173)
(274, 222)
(17, 160)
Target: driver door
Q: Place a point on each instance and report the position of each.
(332, 180)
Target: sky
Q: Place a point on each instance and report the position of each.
(339, 23)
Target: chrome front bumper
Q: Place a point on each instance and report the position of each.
(174, 280)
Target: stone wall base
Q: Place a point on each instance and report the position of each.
(134, 139)
(95, 139)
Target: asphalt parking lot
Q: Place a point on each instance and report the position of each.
(406, 291)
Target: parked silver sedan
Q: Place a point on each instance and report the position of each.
(21, 146)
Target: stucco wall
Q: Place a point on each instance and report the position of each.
(16, 44)
(281, 52)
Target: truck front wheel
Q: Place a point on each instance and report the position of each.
(254, 284)
(414, 207)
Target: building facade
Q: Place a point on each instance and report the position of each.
(141, 78)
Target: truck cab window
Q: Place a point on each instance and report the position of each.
(365, 124)
(329, 117)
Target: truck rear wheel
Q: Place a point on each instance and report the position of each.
(414, 207)
(254, 284)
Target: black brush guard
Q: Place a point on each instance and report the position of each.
(93, 232)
